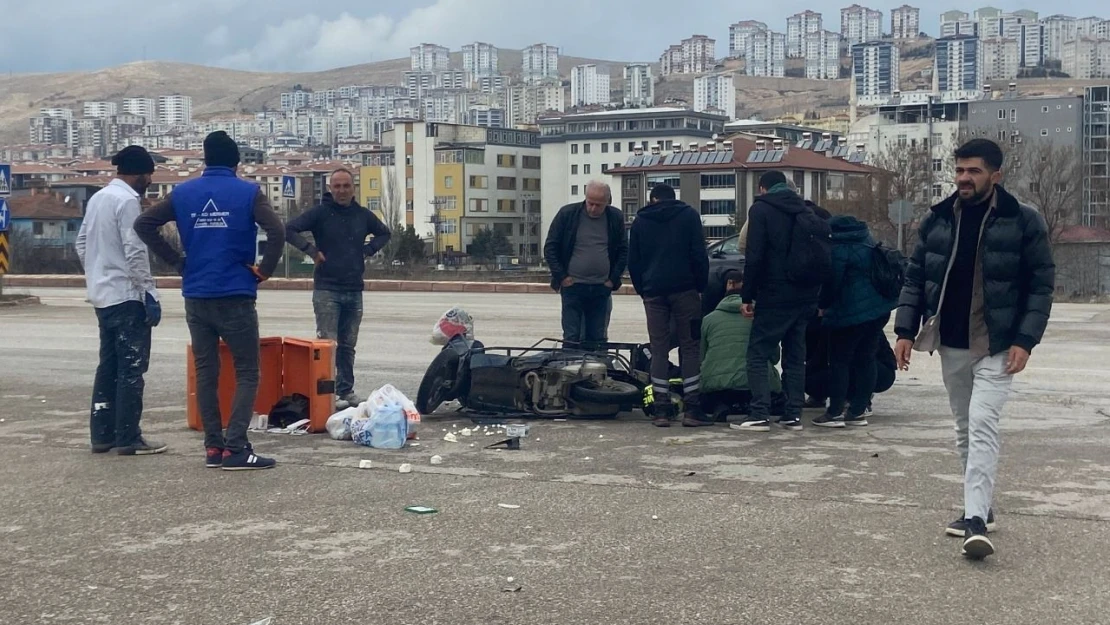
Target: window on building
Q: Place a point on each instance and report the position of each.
(448, 182)
(506, 183)
(1044, 109)
(585, 148)
(668, 179)
(901, 140)
(530, 184)
(474, 157)
(1044, 132)
(631, 146)
(1001, 113)
(574, 148)
(714, 233)
(408, 206)
(718, 207)
(408, 137)
(506, 206)
(503, 228)
(718, 181)
(1034, 187)
(408, 160)
(479, 182)
(447, 202)
(800, 181)
(1061, 187)
(574, 189)
(616, 146)
(374, 203)
(938, 165)
(574, 170)
(604, 167)
(530, 162)
(479, 205)
(586, 169)
(616, 165)
(1013, 116)
(408, 183)
(604, 148)
(506, 160)
(374, 184)
(938, 190)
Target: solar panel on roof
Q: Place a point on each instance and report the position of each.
(725, 157)
(730, 156)
(758, 157)
(704, 157)
(751, 156)
(669, 160)
(857, 157)
(806, 144)
(775, 157)
(687, 158)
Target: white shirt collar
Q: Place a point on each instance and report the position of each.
(119, 183)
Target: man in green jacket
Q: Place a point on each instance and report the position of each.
(725, 333)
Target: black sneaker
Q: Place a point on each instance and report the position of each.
(102, 448)
(142, 447)
(213, 457)
(958, 528)
(794, 424)
(860, 421)
(976, 544)
(246, 460)
(828, 421)
(814, 402)
(752, 424)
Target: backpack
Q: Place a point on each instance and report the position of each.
(809, 258)
(887, 271)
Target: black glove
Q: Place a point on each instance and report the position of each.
(153, 311)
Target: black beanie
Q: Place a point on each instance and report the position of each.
(133, 160)
(220, 150)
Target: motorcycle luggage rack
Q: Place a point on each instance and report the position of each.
(612, 351)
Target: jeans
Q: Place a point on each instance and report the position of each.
(338, 317)
(235, 320)
(771, 327)
(679, 314)
(853, 366)
(977, 392)
(585, 313)
(117, 398)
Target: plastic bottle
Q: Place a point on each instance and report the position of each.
(388, 427)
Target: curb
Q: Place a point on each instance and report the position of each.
(27, 300)
(305, 284)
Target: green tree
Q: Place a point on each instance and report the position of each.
(488, 244)
(409, 247)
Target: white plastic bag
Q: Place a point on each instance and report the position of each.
(339, 424)
(453, 323)
(388, 427)
(387, 395)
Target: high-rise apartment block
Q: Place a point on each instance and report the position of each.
(100, 109)
(1021, 26)
(738, 35)
(1087, 58)
(479, 60)
(1000, 58)
(876, 71)
(695, 55)
(715, 93)
(798, 26)
(766, 54)
(429, 57)
(905, 22)
(175, 110)
(860, 24)
(957, 64)
(1058, 30)
(589, 85)
(540, 63)
(639, 86)
(822, 53)
(147, 108)
(954, 23)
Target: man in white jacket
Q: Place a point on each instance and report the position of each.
(121, 289)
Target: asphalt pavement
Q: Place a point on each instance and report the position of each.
(615, 522)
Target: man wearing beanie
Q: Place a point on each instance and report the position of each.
(217, 217)
(121, 289)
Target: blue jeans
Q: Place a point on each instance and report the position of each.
(338, 317)
(117, 400)
(585, 313)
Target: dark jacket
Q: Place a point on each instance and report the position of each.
(666, 251)
(850, 297)
(563, 233)
(340, 233)
(1016, 266)
(770, 225)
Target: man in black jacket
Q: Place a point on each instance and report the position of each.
(669, 267)
(982, 276)
(586, 251)
(339, 228)
(782, 308)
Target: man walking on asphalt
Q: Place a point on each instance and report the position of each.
(339, 227)
(217, 217)
(787, 259)
(982, 278)
(121, 289)
(669, 266)
(587, 252)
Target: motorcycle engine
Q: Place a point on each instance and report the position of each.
(551, 386)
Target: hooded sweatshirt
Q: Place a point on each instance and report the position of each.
(850, 297)
(666, 250)
(339, 232)
(770, 226)
(724, 349)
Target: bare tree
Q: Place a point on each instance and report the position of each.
(1051, 179)
(393, 210)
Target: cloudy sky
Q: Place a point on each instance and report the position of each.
(295, 35)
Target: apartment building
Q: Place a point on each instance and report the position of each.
(175, 110)
(1096, 157)
(766, 54)
(100, 109)
(738, 35)
(147, 108)
(589, 85)
(526, 103)
(671, 61)
(451, 181)
(539, 63)
(579, 148)
(479, 60)
(1058, 30)
(954, 23)
(295, 100)
(822, 54)
(420, 83)
(639, 85)
(1000, 58)
(1086, 26)
(905, 22)
(1086, 58)
(957, 64)
(429, 57)
(699, 54)
(860, 24)
(876, 71)
(488, 116)
(798, 27)
(1009, 119)
(715, 93)
(50, 130)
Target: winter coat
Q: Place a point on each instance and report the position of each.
(770, 225)
(725, 334)
(850, 297)
(339, 232)
(666, 250)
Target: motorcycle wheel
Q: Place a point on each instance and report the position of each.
(611, 392)
(438, 382)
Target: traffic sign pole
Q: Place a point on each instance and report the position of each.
(5, 221)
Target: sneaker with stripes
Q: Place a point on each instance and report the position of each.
(245, 460)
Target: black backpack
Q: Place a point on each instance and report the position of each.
(809, 259)
(887, 271)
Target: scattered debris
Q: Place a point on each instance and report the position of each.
(465, 432)
(1102, 411)
(654, 518)
(414, 444)
(587, 458)
(508, 506)
(875, 455)
(510, 580)
(691, 473)
(365, 464)
(421, 510)
(601, 436)
(450, 438)
(437, 460)
(266, 621)
(677, 441)
(405, 468)
(472, 444)
(558, 420)
(512, 588)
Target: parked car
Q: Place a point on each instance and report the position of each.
(724, 256)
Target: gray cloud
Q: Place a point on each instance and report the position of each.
(290, 35)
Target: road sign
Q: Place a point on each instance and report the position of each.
(289, 187)
(900, 212)
(5, 179)
(3, 253)
(5, 216)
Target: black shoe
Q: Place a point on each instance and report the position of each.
(793, 424)
(958, 528)
(814, 402)
(752, 424)
(102, 448)
(828, 421)
(664, 414)
(213, 457)
(246, 460)
(976, 544)
(860, 421)
(142, 447)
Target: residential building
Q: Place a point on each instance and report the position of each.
(905, 22)
(1009, 119)
(479, 60)
(1101, 30)
(954, 23)
(429, 57)
(175, 110)
(1058, 30)
(738, 35)
(491, 84)
(324, 99)
(147, 108)
(62, 113)
(766, 54)
(526, 103)
(798, 26)
(100, 109)
(1086, 58)
(120, 127)
(822, 54)
(671, 61)
(985, 17)
(89, 137)
(698, 54)
(488, 116)
(51, 130)
(540, 63)
(589, 85)
(639, 85)
(860, 24)
(579, 148)
(45, 218)
(1000, 58)
(876, 71)
(296, 100)
(452, 181)
(1096, 157)
(419, 83)
(715, 93)
(1086, 26)
(957, 64)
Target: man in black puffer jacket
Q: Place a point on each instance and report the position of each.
(982, 276)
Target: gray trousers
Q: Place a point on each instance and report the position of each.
(977, 391)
